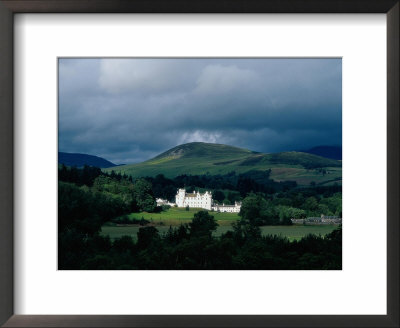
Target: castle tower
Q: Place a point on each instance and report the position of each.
(180, 197)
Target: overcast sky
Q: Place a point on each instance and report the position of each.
(130, 110)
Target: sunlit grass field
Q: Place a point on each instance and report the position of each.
(294, 232)
(176, 216)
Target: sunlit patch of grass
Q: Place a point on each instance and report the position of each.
(177, 214)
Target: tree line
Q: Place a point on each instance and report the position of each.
(193, 247)
(277, 206)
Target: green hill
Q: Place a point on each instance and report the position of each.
(80, 160)
(198, 158)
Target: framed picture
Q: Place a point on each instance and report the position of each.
(204, 190)
(206, 181)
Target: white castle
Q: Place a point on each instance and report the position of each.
(199, 200)
(184, 199)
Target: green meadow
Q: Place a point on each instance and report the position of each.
(176, 216)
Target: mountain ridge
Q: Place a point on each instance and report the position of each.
(332, 152)
(198, 158)
(79, 160)
(196, 149)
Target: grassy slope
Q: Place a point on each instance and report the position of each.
(201, 158)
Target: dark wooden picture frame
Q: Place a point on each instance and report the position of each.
(7, 10)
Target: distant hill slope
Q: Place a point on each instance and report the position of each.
(333, 152)
(199, 158)
(79, 160)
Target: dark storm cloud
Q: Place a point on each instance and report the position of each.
(129, 110)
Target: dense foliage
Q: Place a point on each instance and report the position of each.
(238, 185)
(192, 246)
(88, 198)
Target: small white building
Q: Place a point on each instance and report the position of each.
(161, 202)
(194, 199)
(227, 208)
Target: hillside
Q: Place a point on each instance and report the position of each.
(199, 158)
(79, 160)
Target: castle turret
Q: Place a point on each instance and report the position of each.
(180, 197)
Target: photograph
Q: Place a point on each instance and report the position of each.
(199, 163)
